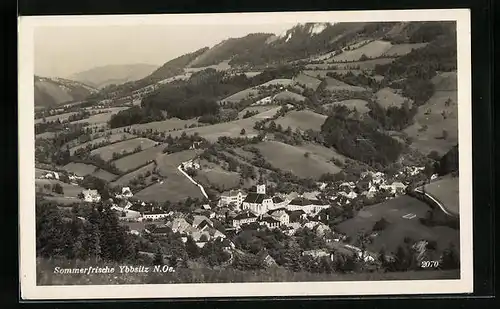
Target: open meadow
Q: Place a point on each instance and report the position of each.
(138, 159)
(387, 97)
(296, 160)
(110, 139)
(446, 191)
(80, 169)
(124, 180)
(438, 115)
(403, 214)
(106, 152)
(372, 49)
(360, 105)
(302, 120)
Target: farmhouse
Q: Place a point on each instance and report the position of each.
(91, 196)
(154, 215)
(244, 218)
(179, 225)
(310, 207)
(235, 197)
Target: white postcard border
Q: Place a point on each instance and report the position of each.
(29, 289)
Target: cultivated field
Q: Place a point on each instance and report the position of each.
(446, 191)
(302, 120)
(293, 159)
(163, 126)
(111, 138)
(61, 117)
(360, 105)
(125, 179)
(80, 169)
(373, 49)
(307, 81)
(106, 152)
(402, 49)
(387, 97)
(104, 175)
(135, 160)
(278, 82)
(403, 214)
(168, 163)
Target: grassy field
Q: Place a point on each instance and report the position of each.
(45, 135)
(175, 188)
(80, 169)
(135, 160)
(278, 82)
(242, 95)
(307, 81)
(257, 108)
(168, 163)
(387, 97)
(393, 211)
(402, 49)
(446, 190)
(360, 105)
(165, 125)
(373, 49)
(333, 84)
(112, 138)
(70, 191)
(102, 118)
(322, 151)
(303, 120)
(358, 65)
(288, 96)
(106, 152)
(290, 158)
(61, 117)
(230, 129)
(323, 73)
(429, 123)
(104, 175)
(46, 276)
(125, 179)
(217, 177)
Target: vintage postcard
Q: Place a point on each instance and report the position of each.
(245, 155)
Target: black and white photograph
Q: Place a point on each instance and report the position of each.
(245, 154)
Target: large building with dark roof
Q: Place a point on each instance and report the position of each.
(258, 203)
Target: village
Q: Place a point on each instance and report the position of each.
(237, 210)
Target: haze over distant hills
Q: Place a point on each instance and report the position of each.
(54, 91)
(103, 76)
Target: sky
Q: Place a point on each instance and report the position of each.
(63, 51)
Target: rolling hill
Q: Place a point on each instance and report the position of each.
(113, 74)
(55, 91)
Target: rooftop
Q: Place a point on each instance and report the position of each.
(245, 215)
(256, 198)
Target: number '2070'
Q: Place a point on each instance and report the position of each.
(429, 264)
